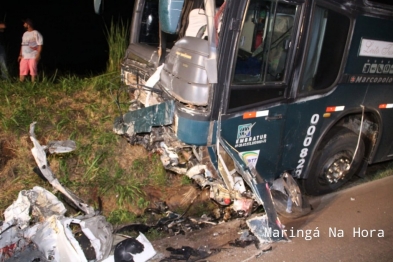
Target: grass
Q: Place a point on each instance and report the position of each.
(116, 47)
(118, 216)
(185, 180)
(384, 170)
(81, 109)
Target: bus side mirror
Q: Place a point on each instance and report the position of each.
(97, 5)
(169, 14)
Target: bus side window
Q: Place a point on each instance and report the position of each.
(264, 43)
(325, 51)
(262, 54)
(149, 25)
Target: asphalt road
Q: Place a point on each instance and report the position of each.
(355, 224)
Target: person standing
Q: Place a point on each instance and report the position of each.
(30, 51)
(3, 65)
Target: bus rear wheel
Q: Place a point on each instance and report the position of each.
(335, 163)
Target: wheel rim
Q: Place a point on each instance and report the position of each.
(336, 169)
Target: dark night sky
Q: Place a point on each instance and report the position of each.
(74, 39)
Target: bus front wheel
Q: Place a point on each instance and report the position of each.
(335, 163)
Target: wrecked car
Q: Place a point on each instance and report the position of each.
(261, 101)
(36, 228)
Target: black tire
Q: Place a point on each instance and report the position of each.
(327, 171)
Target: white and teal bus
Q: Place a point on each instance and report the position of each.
(251, 97)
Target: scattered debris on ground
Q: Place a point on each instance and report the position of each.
(36, 228)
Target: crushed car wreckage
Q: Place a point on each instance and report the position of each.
(35, 227)
(151, 127)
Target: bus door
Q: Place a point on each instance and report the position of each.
(255, 105)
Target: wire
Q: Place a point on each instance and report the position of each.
(359, 137)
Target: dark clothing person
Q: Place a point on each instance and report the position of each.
(3, 64)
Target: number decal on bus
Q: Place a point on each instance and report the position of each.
(301, 164)
(307, 141)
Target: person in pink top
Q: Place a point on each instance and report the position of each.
(30, 51)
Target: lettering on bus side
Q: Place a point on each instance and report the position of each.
(306, 143)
